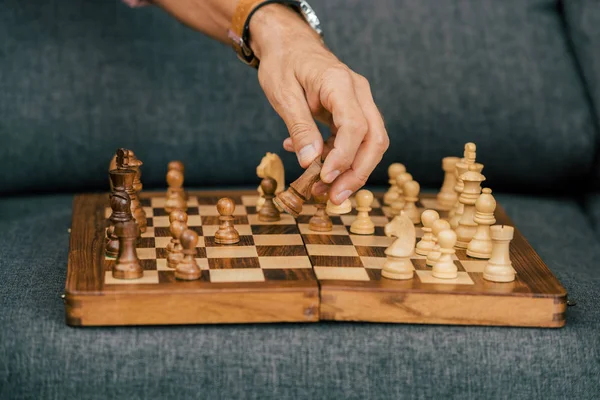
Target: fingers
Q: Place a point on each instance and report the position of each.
(339, 97)
(287, 98)
(370, 151)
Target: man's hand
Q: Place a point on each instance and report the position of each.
(304, 81)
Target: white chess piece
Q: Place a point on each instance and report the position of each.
(343, 208)
(411, 191)
(462, 166)
(445, 268)
(499, 268)
(481, 244)
(427, 242)
(363, 225)
(434, 255)
(447, 197)
(398, 264)
(398, 203)
(472, 189)
(391, 195)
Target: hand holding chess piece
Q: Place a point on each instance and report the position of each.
(363, 225)
(187, 269)
(227, 234)
(268, 211)
(292, 200)
(398, 264)
(320, 222)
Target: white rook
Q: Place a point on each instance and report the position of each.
(499, 267)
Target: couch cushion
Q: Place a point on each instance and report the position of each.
(40, 357)
(80, 79)
(582, 21)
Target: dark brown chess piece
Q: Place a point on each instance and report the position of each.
(268, 212)
(128, 265)
(175, 249)
(176, 215)
(292, 200)
(227, 234)
(178, 165)
(187, 268)
(121, 212)
(320, 222)
(175, 193)
(126, 159)
(122, 180)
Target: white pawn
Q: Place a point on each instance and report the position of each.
(481, 244)
(363, 225)
(447, 197)
(427, 242)
(445, 268)
(411, 191)
(434, 255)
(398, 203)
(392, 194)
(398, 264)
(499, 268)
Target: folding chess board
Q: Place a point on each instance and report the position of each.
(284, 272)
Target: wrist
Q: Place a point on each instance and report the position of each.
(275, 26)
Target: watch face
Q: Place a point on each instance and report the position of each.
(310, 16)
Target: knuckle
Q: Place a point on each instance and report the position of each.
(337, 72)
(300, 131)
(358, 126)
(382, 143)
(361, 178)
(362, 82)
(285, 96)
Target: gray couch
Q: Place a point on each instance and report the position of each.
(78, 79)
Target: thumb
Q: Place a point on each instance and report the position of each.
(292, 106)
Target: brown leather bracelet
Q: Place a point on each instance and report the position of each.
(240, 24)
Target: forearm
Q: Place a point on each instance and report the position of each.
(211, 17)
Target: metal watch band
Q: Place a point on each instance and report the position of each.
(240, 26)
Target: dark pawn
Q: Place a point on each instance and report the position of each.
(268, 212)
(320, 222)
(175, 250)
(128, 265)
(120, 205)
(187, 268)
(226, 234)
(292, 200)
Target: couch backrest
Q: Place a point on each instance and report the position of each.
(80, 78)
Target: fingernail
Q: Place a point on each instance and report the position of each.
(343, 196)
(330, 177)
(320, 187)
(307, 154)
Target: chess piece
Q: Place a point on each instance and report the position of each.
(178, 165)
(175, 193)
(391, 195)
(363, 225)
(499, 267)
(398, 264)
(343, 208)
(121, 212)
(481, 244)
(434, 255)
(268, 212)
(447, 197)
(187, 269)
(462, 167)
(471, 190)
(178, 223)
(427, 242)
(411, 191)
(122, 180)
(270, 166)
(227, 234)
(320, 222)
(445, 268)
(127, 265)
(398, 203)
(292, 200)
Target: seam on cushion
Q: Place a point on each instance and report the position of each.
(594, 174)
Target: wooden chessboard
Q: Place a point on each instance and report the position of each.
(283, 272)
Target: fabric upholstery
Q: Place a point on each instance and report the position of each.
(40, 357)
(582, 21)
(81, 78)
